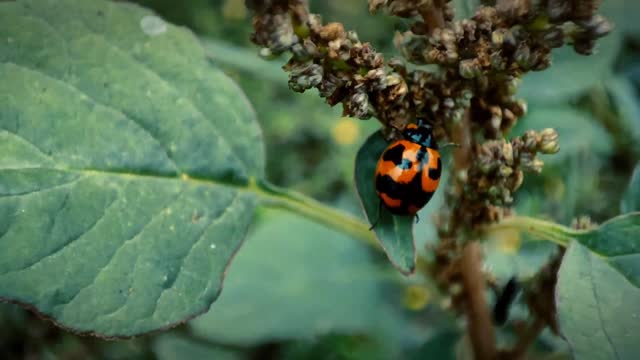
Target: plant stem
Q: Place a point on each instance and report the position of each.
(432, 15)
(542, 229)
(311, 209)
(480, 326)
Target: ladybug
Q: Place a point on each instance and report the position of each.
(408, 171)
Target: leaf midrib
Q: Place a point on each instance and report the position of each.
(249, 186)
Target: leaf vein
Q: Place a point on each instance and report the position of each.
(40, 190)
(131, 238)
(119, 112)
(70, 240)
(213, 222)
(29, 143)
(168, 85)
(597, 299)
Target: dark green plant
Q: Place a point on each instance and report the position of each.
(131, 169)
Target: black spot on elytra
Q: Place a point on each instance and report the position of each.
(416, 196)
(385, 184)
(409, 194)
(422, 155)
(434, 174)
(394, 154)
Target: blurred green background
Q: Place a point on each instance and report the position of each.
(341, 301)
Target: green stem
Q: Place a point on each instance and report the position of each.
(542, 229)
(311, 209)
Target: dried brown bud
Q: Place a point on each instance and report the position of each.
(469, 69)
(332, 31)
(303, 77)
(548, 143)
(505, 171)
(530, 139)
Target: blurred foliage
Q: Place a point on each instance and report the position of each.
(592, 101)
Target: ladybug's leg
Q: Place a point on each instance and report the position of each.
(417, 218)
(373, 225)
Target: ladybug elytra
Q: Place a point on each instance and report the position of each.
(408, 171)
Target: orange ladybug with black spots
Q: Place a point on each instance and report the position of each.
(408, 171)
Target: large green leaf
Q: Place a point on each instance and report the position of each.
(294, 279)
(571, 74)
(394, 232)
(174, 347)
(618, 241)
(125, 161)
(597, 307)
(631, 199)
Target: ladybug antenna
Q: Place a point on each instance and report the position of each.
(421, 122)
(444, 146)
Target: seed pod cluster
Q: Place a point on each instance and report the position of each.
(467, 91)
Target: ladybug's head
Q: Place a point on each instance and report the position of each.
(420, 133)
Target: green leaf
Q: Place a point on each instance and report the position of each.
(173, 347)
(465, 9)
(294, 279)
(631, 198)
(442, 345)
(618, 241)
(339, 347)
(597, 307)
(626, 101)
(394, 232)
(578, 131)
(623, 14)
(571, 74)
(125, 167)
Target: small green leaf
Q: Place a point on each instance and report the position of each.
(571, 74)
(578, 131)
(294, 279)
(618, 241)
(631, 198)
(597, 307)
(465, 9)
(173, 347)
(394, 232)
(125, 167)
